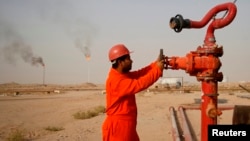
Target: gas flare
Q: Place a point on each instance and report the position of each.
(80, 30)
(84, 46)
(87, 57)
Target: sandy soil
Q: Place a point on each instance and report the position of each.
(32, 113)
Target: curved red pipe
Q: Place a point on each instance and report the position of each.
(210, 15)
(216, 23)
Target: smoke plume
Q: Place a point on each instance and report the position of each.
(83, 42)
(12, 47)
(83, 38)
(78, 28)
(17, 48)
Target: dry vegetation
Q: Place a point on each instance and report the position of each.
(89, 113)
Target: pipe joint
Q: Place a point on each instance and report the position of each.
(212, 111)
(178, 23)
(212, 76)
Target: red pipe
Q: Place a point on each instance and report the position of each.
(177, 23)
(193, 63)
(185, 127)
(204, 121)
(220, 23)
(198, 107)
(204, 62)
(208, 105)
(216, 23)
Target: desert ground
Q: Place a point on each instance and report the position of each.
(31, 108)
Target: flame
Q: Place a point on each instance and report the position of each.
(87, 57)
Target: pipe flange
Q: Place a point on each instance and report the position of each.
(210, 50)
(176, 23)
(210, 77)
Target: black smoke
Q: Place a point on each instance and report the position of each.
(13, 47)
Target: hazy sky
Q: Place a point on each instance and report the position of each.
(61, 33)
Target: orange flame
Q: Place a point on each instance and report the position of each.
(87, 57)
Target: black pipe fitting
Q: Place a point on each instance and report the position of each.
(177, 23)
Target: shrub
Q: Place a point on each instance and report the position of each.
(49, 128)
(90, 113)
(17, 135)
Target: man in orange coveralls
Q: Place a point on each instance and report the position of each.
(121, 87)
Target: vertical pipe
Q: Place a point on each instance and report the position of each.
(43, 75)
(209, 87)
(182, 84)
(209, 94)
(88, 73)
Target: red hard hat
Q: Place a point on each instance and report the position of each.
(117, 51)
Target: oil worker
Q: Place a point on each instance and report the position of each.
(121, 87)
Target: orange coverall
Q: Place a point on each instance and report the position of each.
(121, 109)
